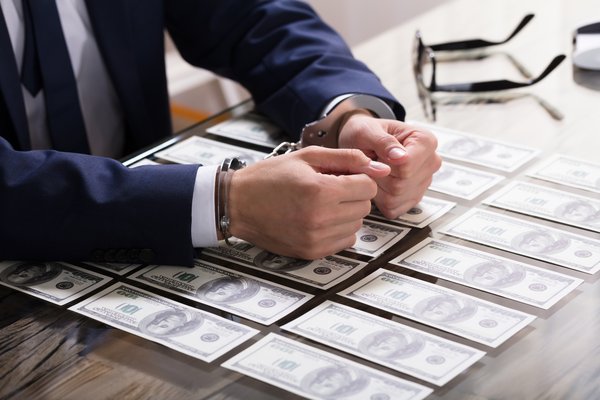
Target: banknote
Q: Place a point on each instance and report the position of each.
(568, 171)
(396, 346)
(200, 150)
(463, 182)
(56, 282)
(317, 374)
(240, 294)
(374, 238)
(555, 205)
(116, 268)
(428, 210)
(142, 162)
(442, 308)
(188, 330)
(480, 150)
(323, 273)
(538, 287)
(527, 238)
(250, 128)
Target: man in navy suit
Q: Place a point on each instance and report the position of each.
(70, 205)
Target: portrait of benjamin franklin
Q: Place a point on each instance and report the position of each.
(390, 345)
(30, 273)
(466, 147)
(334, 382)
(445, 309)
(539, 242)
(170, 323)
(578, 211)
(495, 274)
(274, 262)
(228, 290)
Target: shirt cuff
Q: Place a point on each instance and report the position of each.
(204, 226)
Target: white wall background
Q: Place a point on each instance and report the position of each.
(356, 21)
(359, 20)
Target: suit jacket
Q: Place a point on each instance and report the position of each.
(65, 206)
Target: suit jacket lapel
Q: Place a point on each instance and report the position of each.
(10, 88)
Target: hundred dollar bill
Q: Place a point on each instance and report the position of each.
(527, 238)
(478, 150)
(190, 331)
(200, 150)
(56, 282)
(323, 273)
(428, 210)
(491, 273)
(374, 238)
(543, 202)
(569, 171)
(442, 308)
(385, 342)
(240, 294)
(117, 268)
(317, 374)
(463, 182)
(142, 162)
(251, 128)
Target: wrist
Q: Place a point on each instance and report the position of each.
(223, 191)
(325, 131)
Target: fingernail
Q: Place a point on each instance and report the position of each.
(396, 152)
(378, 165)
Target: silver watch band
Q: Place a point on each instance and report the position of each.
(325, 131)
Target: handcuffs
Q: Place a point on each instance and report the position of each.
(325, 131)
(322, 132)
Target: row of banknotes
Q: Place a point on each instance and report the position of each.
(312, 372)
(206, 336)
(188, 329)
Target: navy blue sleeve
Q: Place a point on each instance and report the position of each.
(71, 207)
(291, 62)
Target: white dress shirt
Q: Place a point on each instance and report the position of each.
(99, 105)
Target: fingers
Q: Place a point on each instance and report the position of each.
(420, 146)
(296, 205)
(397, 202)
(375, 137)
(330, 241)
(343, 162)
(418, 164)
(312, 219)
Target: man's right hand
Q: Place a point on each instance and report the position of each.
(306, 204)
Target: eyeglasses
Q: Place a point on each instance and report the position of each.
(426, 85)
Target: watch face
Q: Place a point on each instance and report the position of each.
(236, 164)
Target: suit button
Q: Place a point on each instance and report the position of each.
(110, 255)
(146, 256)
(97, 255)
(121, 256)
(133, 255)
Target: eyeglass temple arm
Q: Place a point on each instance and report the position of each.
(478, 43)
(502, 84)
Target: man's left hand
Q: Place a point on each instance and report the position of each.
(409, 151)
